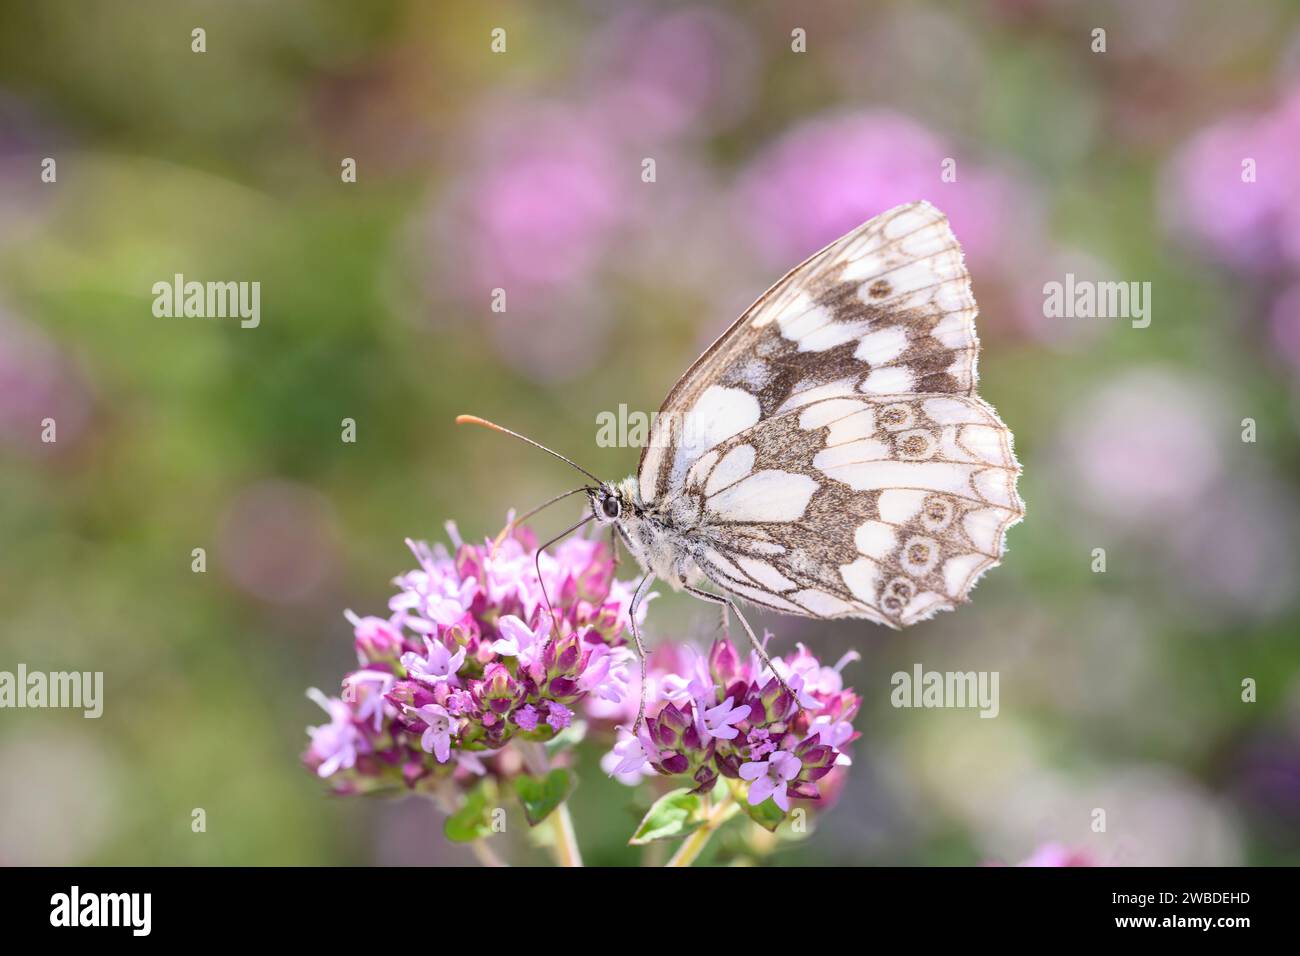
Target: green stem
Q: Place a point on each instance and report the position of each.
(485, 855)
(694, 844)
(566, 840)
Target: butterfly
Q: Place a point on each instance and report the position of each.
(827, 456)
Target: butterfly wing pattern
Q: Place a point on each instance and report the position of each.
(829, 451)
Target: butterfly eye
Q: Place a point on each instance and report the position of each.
(610, 507)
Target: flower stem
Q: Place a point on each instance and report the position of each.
(566, 840)
(485, 855)
(694, 845)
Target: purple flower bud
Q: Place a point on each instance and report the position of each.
(562, 687)
(724, 664)
(469, 563)
(802, 790)
(593, 581)
(459, 702)
(706, 778)
(674, 763)
(464, 632)
(691, 738)
(605, 621)
(669, 726)
(818, 756)
(843, 706)
(678, 720)
(776, 702)
(568, 594)
(377, 639)
(525, 536)
(728, 764)
(368, 765)
(564, 656)
(806, 747)
(497, 691)
(412, 771)
(570, 657)
(409, 693)
(748, 696)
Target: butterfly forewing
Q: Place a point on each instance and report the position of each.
(831, 440)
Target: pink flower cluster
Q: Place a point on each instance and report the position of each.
(1231, 187)
(725, 715)
(468, 659)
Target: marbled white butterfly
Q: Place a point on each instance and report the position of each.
(827, 456)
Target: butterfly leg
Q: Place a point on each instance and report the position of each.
(613, 544)
(729, 605)
(637, 597)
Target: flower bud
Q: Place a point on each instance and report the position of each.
(673, 763)
(775, 701)
(706, 778)
(724, 664)
(409, 693)
(497, 691)
(469, 563)
(592, 582)
(377, 640)
(669, 726)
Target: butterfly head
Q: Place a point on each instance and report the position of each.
(615, 503)
(607, 504)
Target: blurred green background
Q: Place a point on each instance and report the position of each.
(523, 171)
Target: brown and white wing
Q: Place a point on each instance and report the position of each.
(883, 507)
(884, 310)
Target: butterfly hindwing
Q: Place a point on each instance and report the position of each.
(885, 507)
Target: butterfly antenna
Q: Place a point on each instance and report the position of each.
(475, 420)
(520, 519)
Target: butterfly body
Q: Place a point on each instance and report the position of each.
(663, 542)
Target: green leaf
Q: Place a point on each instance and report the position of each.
(672, 816)
(540, 796)
(767, 814)
(570, 736)
(473, 820)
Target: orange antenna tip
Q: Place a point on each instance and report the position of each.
(475, 420)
